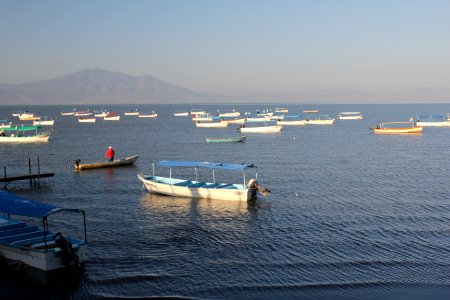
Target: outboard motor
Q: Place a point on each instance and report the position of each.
(67, 252)
(77, 163)
(254, 185)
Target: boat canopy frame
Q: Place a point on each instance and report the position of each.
(208, 165)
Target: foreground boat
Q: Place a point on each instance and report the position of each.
(226, 140)
(23, 134)
(37, 247)
(127, 161)
(200, 189)
(397, 128)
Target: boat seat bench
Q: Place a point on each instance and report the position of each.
(16, 231)
(12, 226)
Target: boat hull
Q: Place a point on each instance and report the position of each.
(153, 184)
(320, 122)
(292, 123)
(212, 125)
(414, 130)
(262, 129)
(88, 120)
(181, 114)
(118, 163)
(226, 140)
(25, 139)
(433, 124)
(45, 260)
(44, 123)
(115, 118)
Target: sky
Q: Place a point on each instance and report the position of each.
(232, 46)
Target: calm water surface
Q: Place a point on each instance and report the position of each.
(352, 215)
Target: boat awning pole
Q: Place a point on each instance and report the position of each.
(170, 172)
(153, 167)
(214, 177)
(195, 168)
(244, 178)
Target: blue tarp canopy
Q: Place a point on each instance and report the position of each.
(209, 165)
(15, 205)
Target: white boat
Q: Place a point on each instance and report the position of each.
(264, 114)
(350, 115)
(281, 110)
(5, 124)
(319, 120)
(44, 122)
(230, 114)
(68, 113)
(100, 114)
(257, 119)
(181, 113)
(152, 115)
(23, 134)
(132, 113)
(82, 113)
(111, 117)
(86, 119)
(292, 121)
(202, 189)
(205, 118)
(33, 246)
(197, 111)
(221, 124)
(260, 127)
(433, 121)
(28, 117)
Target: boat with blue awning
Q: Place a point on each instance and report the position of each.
(33, 246)
(213, 189)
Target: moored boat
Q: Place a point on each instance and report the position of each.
(226, 140)
(205, 118)
(230, 114)
(152, 115)
(197, 111)
(28, 117)
(45, 121)
(23, 134)
(82, 113)
(432, 121)
(100, 114)
(281, 110)
(202, 189)
(292, 121)
(86, 120)
(221, 124)
(350, 115)
(181, 113)
(5, 124)
(133, 112)
(267, 126)
(319, 120)
(111, 116)
(127, 161)
(311, 111)
(33, 246)
(397, 128)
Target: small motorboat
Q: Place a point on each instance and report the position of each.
(397, 128)
(97, 165)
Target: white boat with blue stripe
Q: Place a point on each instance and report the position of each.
(203, 189)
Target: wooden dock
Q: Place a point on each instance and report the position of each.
(33, 178)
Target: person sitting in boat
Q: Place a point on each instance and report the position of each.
(2, 133)
(110, 154)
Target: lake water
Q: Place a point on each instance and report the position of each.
(352, 215)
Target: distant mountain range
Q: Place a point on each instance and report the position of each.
(99, 86)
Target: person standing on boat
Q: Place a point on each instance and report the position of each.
(110, 154)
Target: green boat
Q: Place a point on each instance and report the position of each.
(226, 140)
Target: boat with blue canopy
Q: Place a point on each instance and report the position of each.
(33, 246)
(23, 134)
(203, 189)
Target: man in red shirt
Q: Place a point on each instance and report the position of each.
(110, 154)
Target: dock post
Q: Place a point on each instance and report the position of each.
(39, 173)
(29, 169)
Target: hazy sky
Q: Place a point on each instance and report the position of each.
(232, 46)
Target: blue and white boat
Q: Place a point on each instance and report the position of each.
(292, 121)
(202, 189)
(33, 246)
